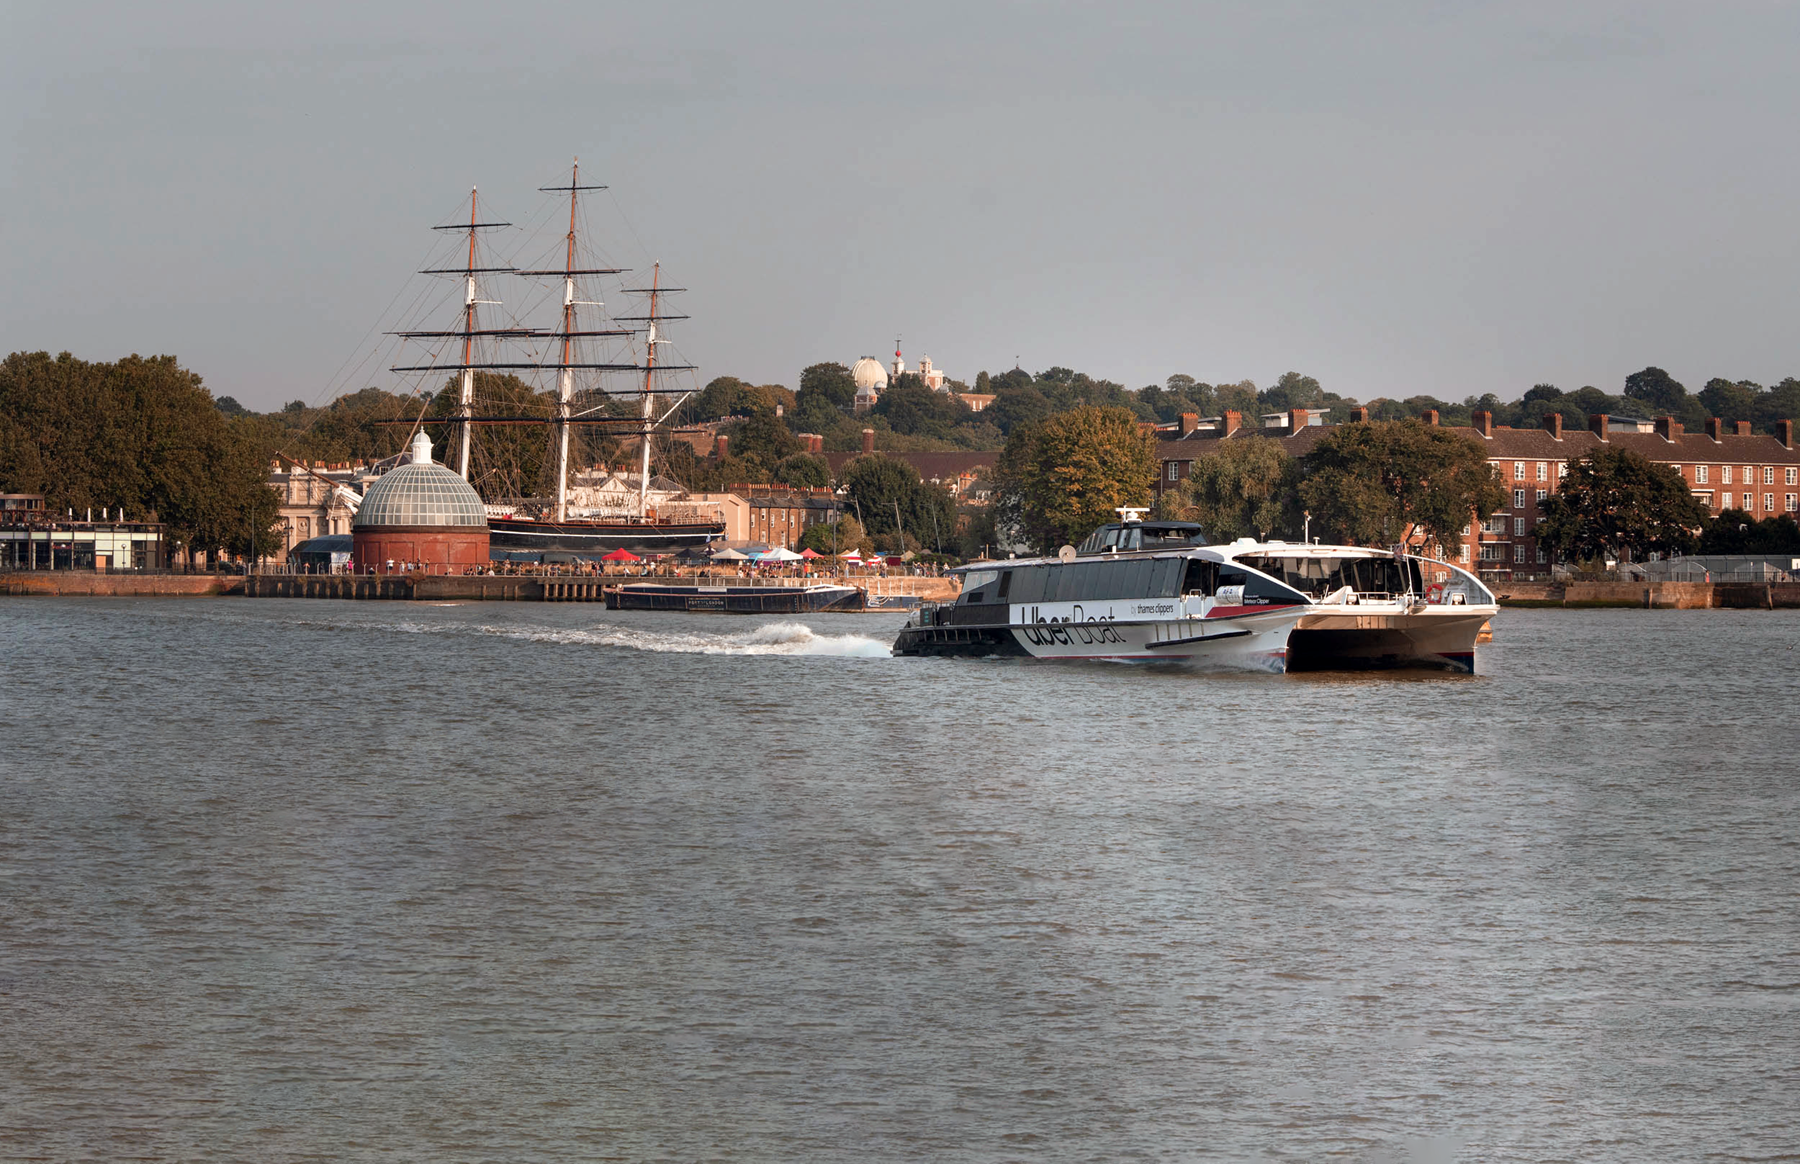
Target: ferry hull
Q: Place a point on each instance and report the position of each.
(594, 538)
(1432, 640)
(1245, 643)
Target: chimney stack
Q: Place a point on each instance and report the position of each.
(1359, 416)
(1597, 424)
(1189, 422)
(721, 446)
(812, 442)
(1784, 432)
(1233, 422)
(868, 440)
(1430, 417)
(1669, 429)
(1297, 418)
(1742, 427)
(1484, 423)
(1553, 423)
(1714, 427)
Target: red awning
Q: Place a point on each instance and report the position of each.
(621, 555)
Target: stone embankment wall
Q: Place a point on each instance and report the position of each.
(62, 583)
(1652, 595)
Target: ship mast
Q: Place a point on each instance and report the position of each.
(653, 336)
(651, 339)
(470, 330)
(565, 378)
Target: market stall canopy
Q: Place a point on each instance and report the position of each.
(729, 555)
(809, 553)
(620, 555)
(778, 554)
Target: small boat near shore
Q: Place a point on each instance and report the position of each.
(1155, 590)
(813, 598)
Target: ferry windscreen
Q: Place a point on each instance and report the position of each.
(1317, 577)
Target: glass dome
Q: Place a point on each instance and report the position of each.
(420, 493)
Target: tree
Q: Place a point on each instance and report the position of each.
(835, 537)
(1735, 531)
(1378, 483)
(762, 438)
(1245, 488)
(1658, 389)
(1620, 504)
(142, 434)
(1292, 391)
(1730, 400)
(912, 409)
(874, 484)
(1060, 478)
(804, 471)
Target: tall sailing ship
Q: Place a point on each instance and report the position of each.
(551, 525)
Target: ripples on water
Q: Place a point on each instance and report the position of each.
(285, 880)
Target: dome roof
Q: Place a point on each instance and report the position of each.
(868, 373)
(420, 493)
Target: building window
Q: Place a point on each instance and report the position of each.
(1562, 470)
(1518, 551)
(1769, 502)
(1542, 493)
(1542, 556)
(1518, 498)
(1518, 471)
(1462, 553)
(1543, 471)
(1174, 470)
(1704, 497)
(1793, 502)
(1768, 474)
(1465, 531)
(1749, 475)
(1518, 526)
(1724, 474)
(1700, 474)
(1793, 477)
(1491, 553)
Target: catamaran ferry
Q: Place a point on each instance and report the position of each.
(1155, 590)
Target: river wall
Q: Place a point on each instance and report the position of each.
(63, 583)
(1652, 595)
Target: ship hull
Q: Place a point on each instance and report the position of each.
(1256, 642)
(1441, 638)
(734, 599)
(594, 538)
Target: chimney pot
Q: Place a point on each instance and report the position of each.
(1189, 422)
(1714, 427)
(1597, 424)
(1483, 421)
(1553, 422)
(1233, 421)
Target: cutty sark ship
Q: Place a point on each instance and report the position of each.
(538, 525)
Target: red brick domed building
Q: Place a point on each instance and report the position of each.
(422, 517)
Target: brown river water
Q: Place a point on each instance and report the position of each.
(291, 880)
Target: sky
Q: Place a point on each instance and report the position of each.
(1397, 198)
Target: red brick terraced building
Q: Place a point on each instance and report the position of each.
(1726, 467)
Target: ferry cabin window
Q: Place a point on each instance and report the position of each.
(1201, 577)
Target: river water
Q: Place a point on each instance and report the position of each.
(286, 880)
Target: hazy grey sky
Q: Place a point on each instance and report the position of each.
(1396, 198)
